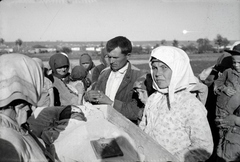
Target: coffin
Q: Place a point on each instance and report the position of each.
(145, 145)
(74, 143)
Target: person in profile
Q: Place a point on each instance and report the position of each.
(115, 84)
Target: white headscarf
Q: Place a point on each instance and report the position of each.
(20, 78)
(178, 61)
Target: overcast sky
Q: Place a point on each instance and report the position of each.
(101, 20)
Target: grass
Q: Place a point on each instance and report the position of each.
(197, 61)
(197, 66)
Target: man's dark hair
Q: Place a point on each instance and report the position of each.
(121, 42)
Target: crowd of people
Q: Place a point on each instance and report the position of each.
(195, 118)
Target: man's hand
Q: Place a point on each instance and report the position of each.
(97, 97)
(92, 96)
(104, 99)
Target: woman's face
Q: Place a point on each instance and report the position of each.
(161, 74)
(62, 70)
(86, 65)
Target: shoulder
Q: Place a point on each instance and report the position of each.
(135, 71)
(134, 68)
(190, 103)
(105, 71)
(227, 71)
(99, 67)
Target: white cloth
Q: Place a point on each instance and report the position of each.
(73, 143)
(174, 117)
(183, 129)
(178, 61)
(17, 145)
(20, 78)
(114, 82)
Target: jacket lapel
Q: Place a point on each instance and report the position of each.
(104, 80)
(126, 79)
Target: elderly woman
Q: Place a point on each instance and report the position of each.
(63, 95)
(21, 80)
(173, 116)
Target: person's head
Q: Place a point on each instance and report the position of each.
(21, 80)
(235, 52)
(78, 73)
(224, 62)
(119, 49)
(171, 70)
(104, 57)
(86, 61)
(162, 73)
(59, 64)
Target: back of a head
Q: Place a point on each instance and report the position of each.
(78, 73)
(122, 42)
(21, 78)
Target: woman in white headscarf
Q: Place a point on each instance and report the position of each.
(173, 116)
(21, 80)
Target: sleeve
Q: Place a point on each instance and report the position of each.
(48, 83)
(80, 87)
(95, 74)
(199, 132)
(143, 122)
(219, 85)
(211, 77)
(66, 95)
(9, 152)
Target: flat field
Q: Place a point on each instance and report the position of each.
(198, 61)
